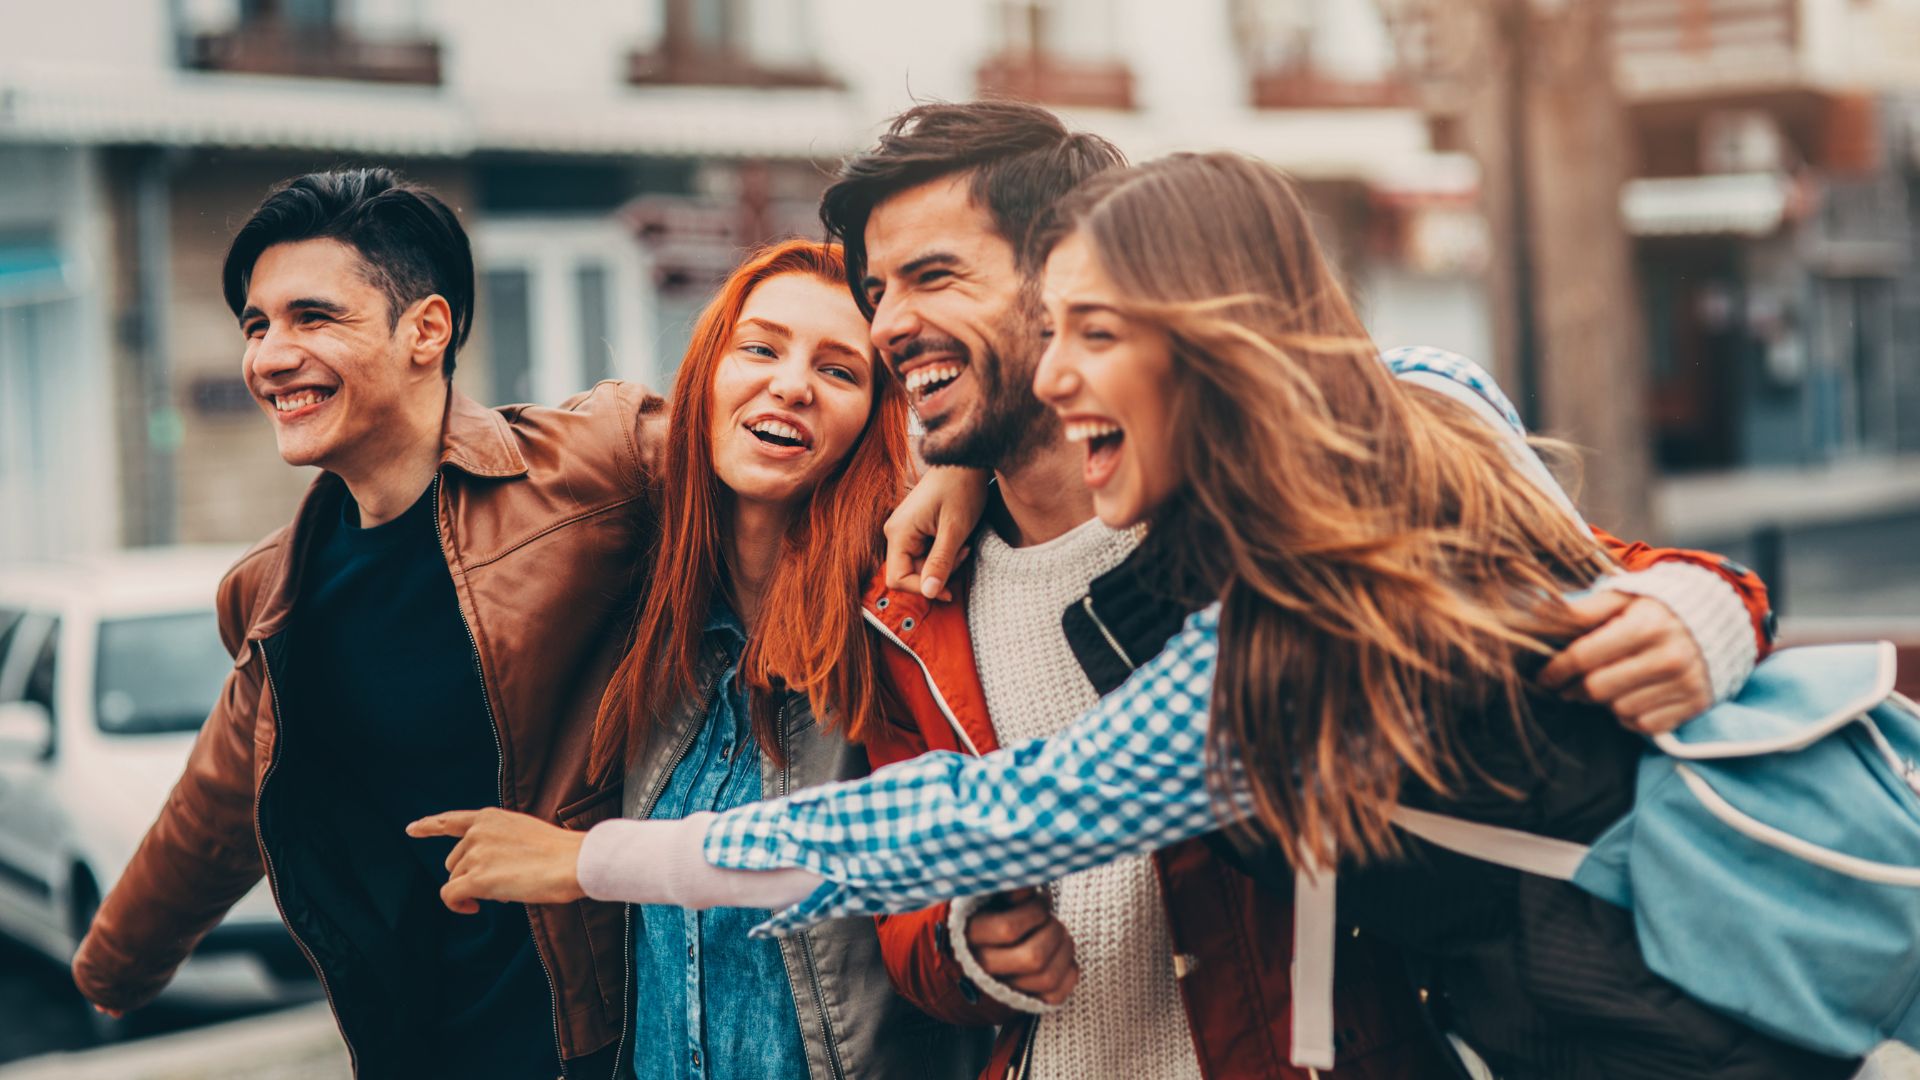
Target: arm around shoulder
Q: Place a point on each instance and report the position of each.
(643, 416)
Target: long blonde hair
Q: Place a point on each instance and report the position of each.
(1385, 572)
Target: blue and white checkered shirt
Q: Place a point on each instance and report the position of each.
(1129, 776)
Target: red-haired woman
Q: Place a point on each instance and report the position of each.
(751, 675)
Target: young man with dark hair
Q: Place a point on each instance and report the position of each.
(1097, 977)
(435, 628)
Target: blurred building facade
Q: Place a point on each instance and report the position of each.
(1776, 224)
(611, 159)
(1779, 150)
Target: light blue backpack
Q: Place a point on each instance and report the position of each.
(1771, 859)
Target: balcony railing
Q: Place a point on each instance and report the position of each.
(1039, 76)
(1302, 87)
(270, 47)
(662, 66)
(1663, 45)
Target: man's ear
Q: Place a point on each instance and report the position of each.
(429, 323)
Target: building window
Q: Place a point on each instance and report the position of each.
(366, 40)
(564, 304)
(766, 43)
(1058, 52)
(1318, 54)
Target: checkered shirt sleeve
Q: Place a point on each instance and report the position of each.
(1129, 776)
(1408, 360)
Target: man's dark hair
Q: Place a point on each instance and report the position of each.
(409, 242)
(1021, 159)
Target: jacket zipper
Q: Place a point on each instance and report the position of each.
(266, 857)
(806, 945)
(500, 777)
(626, 1005)
(938, 698)
(1086, 604)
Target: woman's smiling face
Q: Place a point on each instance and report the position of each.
(1109, 377)
(792, 394)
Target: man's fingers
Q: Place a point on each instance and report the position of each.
(949, 548)
(458, 897)
(1669, 664)
(459, 853)
(1661, 708)
(1663, 720)
(1614, 641)
(1007, 927)
(1036, 954)
(451, 823)
(904, 550)
(1597, 607)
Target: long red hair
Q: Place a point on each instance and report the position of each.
(809, 637)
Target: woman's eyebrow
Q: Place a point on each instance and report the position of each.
(834, 345)
(768, 325)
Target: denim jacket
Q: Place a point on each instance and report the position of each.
(851, 1021)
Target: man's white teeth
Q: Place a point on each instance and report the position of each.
(1084, 430)
(778, 430)
(291, 402)
(920, 378)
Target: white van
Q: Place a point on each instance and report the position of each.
(108, 667)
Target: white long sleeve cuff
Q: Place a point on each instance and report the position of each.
(1713, 614)
(662, 862)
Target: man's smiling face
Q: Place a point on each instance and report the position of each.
(958, 322)
(324, 357)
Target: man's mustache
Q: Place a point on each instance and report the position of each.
(926, 343)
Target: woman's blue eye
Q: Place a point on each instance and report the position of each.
(845, 374)
(1046, 333)
(759, 350)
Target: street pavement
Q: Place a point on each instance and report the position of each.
(300, 1044)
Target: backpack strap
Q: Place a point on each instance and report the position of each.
(1316, 924)
(1315, 928)
(1511, 848)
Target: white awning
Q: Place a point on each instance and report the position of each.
(1743, 204)
(196, 109)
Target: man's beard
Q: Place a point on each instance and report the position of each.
(1011, 424)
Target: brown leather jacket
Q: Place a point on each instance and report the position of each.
(541, 517)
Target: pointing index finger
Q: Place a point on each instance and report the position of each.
(451, 823)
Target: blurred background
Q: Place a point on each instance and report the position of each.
(1683, 233)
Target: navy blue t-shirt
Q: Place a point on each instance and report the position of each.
(385, 690)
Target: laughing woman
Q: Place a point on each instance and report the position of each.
(749, 674)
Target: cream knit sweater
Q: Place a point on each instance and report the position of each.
(1125, 1018)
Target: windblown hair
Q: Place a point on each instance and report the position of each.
(1020, 160)
(1387, 576)
(411, 245)
(809, 636)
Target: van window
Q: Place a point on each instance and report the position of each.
(159, 673)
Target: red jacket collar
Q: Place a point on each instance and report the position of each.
(929, 642)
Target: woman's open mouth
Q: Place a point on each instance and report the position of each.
(1103, 439)
(780, 438)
